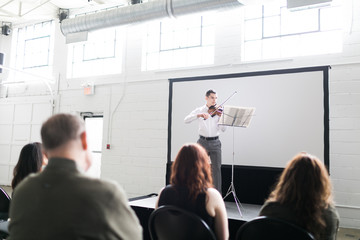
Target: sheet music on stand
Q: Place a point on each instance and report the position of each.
(235, 117)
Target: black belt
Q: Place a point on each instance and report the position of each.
(209, 138)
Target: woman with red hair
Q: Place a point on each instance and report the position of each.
(304, 197)
(191, 189)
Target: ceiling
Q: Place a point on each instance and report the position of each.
(22, 12)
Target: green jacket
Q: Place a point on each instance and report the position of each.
(330, 216)
(62, 203)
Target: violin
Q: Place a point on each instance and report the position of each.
(215, 110)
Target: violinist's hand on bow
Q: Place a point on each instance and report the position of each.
(203, 115)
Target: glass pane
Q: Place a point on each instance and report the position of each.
(153, 42)
(166, 59)
(271, 10)
(194, 37)
(152, 61)
(98, 50)
(188, 22)
(75, 69)
(252, 50)
(299, 21)
(47, 27)
(153, 27)
(89, 51)
(330, 18)
(272, 26)
(209, 20)
(167, 41)
(180, 58)
(100, 55)
(208, 55)
(78, 53)
(167, 26)
(109, 49)
(194, 56)
(36, 52)
(29, 32)
(271, 48)
(253, 29)
(108, 34)
(208, 36)
(254, 11)
(180, 39)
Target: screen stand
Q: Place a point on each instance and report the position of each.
(231, 189)
(235, 117)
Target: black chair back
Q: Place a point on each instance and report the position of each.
(4, 204)
(271, 228)
(173, 223)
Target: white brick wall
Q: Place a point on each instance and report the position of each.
(138, 131)
(345, 141)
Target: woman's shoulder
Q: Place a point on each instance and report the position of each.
(271, 207)
(213, 192)
(169, 189)
(331, 214)
(168, 193)
(214, 196)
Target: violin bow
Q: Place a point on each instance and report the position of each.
(224, 102)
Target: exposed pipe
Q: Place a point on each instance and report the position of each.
(143, 12)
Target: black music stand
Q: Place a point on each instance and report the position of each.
(235, 117)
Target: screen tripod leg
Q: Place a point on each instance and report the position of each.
(231, 190)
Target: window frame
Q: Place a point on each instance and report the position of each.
(260, 41)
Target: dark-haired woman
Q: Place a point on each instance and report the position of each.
(30, 160)
(304, 197)
(191, 189)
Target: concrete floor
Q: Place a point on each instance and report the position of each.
(343, 234)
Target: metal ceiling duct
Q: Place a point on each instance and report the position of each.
(183, 7)
(142, 12)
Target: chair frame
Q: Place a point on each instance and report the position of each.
(285, 224)
(4, 229)
(176, 210)
(4, 212)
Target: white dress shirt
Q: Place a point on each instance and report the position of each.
(208, 127)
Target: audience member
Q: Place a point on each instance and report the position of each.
(303, 196)
(191, 189)
(30, 161)
(61, 202)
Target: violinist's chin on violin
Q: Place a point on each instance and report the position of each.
(215, 110)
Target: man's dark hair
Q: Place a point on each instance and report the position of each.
(60, 129)
(30, 161)
(210, 92)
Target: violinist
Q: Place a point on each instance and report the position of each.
(209, 130)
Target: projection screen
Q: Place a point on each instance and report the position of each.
(292, 114)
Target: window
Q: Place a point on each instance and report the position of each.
(273, 31)
(184, 42)
(33, 49)
(99, 55)
(94, 130)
